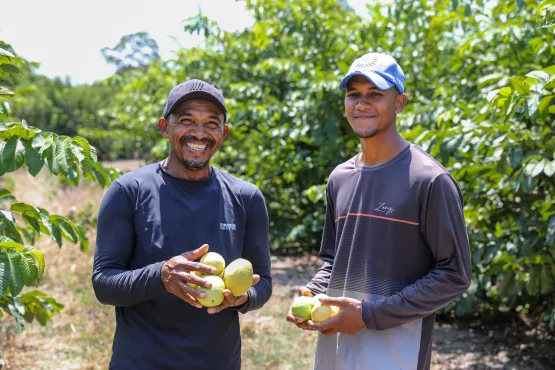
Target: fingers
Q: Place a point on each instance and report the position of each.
(294, 319)
(303, 291)
(255, 279)
(182, 291)
(330, 301)
(197, 253)
(197, 266)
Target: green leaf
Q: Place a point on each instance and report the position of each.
(42, 142)
(539, 75)
(5, 273)
(16, 280)
(5, 196)
(67, 227)
(83, 144)
(532, 103)
(545, 103)
(549, 167)
(63, 154)
(13, 155)
(56, 234)
(33, 159)
(83, 238)
(40, 259)
(25, 270)
(52, 158)
(5, 91)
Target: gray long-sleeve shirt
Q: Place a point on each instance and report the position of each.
(148, 217)
(394, 237)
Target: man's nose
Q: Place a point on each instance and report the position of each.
(198, 130)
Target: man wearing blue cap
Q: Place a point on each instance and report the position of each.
(394, 247)
(155, 221)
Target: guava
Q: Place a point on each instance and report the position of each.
(238, 276)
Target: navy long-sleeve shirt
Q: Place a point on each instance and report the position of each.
(147, 217)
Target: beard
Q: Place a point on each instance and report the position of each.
(367, 134)
(194, 164)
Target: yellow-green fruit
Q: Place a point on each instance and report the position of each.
(214, 295)
(302, 307)
(215, 260)
(321, 312)
(238, 276)
(197, 273)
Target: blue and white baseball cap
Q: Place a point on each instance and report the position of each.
(380, 69)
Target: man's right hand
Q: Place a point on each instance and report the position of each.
(305, 325)
(176, 273)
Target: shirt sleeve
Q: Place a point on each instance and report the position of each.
(256, 249)
(443, 226)
(113, 282)
(320, 282)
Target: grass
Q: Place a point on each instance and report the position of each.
(80, 337)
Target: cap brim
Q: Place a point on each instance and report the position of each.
(197, 95)
(378, 81)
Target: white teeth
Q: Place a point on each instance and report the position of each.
(196, 146)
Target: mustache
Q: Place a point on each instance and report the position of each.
(209, 141)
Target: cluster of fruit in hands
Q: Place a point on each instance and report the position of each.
(236, 277)
(310, 308)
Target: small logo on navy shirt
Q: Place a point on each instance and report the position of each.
(230, 227)
(384, 209)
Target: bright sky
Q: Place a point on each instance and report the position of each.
(66, 36)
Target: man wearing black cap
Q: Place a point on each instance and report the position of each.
(394, 246)
(155, 221)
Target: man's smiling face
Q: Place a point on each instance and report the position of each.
(370, 110)
(195, 129)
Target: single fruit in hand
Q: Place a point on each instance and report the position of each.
(321, 312)
(214, 295)
(215, 260)
(238, 276)
(302, 307)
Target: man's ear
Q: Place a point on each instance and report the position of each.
(163, 127)
(400, 103)
(226, 129)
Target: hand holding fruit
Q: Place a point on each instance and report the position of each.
(230, 300)
(228, 285)
(180, 271)
(300, 312)
(348, 319)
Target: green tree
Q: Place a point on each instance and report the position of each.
(479, 81)
(24, 146)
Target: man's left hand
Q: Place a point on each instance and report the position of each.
(347, 321)
(230, 300)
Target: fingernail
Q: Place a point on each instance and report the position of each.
(202, 295)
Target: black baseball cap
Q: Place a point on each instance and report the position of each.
(194, 89)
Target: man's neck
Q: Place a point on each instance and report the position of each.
(176, 169)
(381, 149)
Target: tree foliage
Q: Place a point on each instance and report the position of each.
(25, 146)
(480, 88)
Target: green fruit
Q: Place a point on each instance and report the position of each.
(238, 276)
(214, 295)
(215, 260)
(302, 307)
